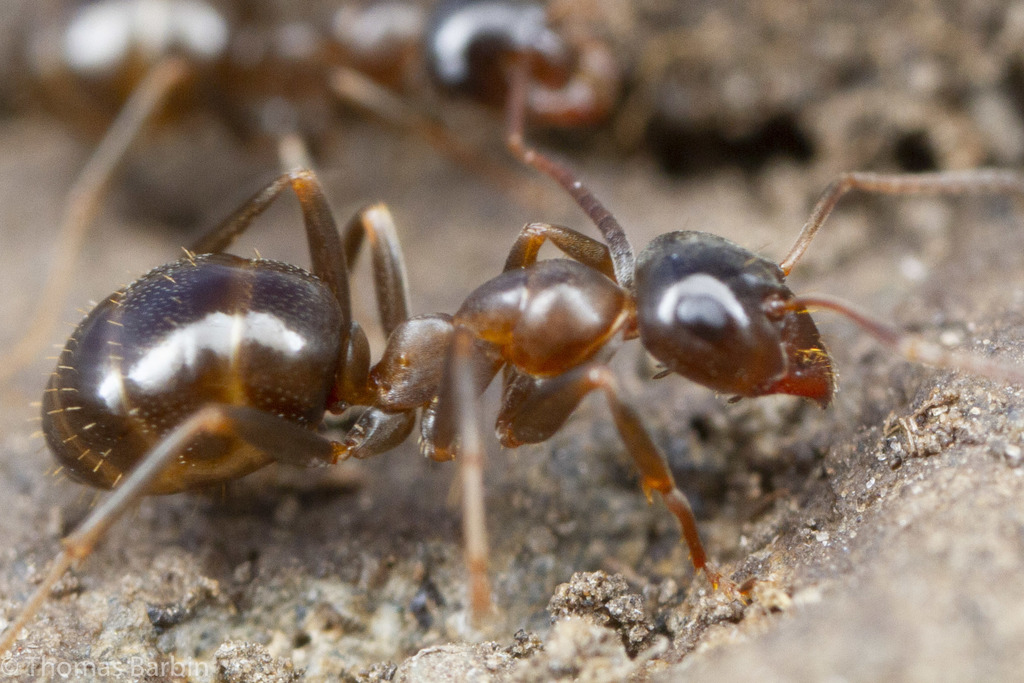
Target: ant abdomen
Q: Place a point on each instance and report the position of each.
(705, 311)
(209, 329)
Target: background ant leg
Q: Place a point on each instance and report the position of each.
(534, 409)
(293, 153)
(573, 244)
(978, 181)
(281, 440)
(909, 346)
(357, 89)
(83, 202)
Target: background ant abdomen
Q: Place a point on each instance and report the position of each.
(472, 45)
(471, 41)
(211, 329)
(90, 57)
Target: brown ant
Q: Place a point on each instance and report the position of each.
(134, 61)
(214, 366)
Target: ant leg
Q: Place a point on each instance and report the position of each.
(978, 181)
(618, 244)
(454, 426)
(280, 439)
(409, 375)
(378, 431)
(83, 203)
(471, 450)
(534, 409)
(573, 244)
(329, 264)
(392, 291)
(321, 231)
(390, 281)
(909, 346)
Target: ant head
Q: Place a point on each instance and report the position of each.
(709, 310)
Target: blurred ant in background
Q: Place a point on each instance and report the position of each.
(115, 66)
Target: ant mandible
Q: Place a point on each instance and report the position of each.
(276, 77)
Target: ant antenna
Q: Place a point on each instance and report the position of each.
(977, 181)
(618, 244)
(909, 346)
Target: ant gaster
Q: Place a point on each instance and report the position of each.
(277, 77)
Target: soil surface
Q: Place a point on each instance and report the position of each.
(883, 537)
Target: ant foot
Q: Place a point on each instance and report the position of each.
(727, 587)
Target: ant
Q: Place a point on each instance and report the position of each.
(119, 65)
(214, 366)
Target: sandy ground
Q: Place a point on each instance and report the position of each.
(885, 534)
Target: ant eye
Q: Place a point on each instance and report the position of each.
(702, 330)
(705, 307)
